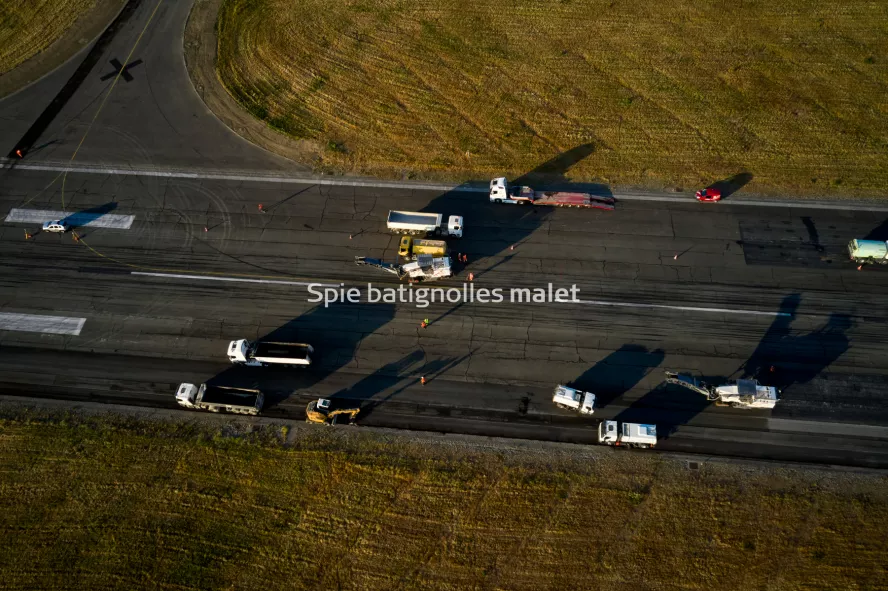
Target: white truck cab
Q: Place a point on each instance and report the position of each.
(186, 394)
(499, 191)
(455, 226)
(237, 351)
(573, 399)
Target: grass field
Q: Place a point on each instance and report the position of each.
(28, 27)
(102, 503)
(672, 93)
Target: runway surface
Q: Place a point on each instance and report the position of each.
(169, 269)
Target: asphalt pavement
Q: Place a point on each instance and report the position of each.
(721, 290)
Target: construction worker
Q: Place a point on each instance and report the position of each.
(422, 380)
(426, 321)
(465, 258)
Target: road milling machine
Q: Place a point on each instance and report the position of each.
(742, 394)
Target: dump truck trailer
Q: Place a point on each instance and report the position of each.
(868, 251)
(617, 433)
(741, 394)
(263, 353)
(502, 192)
(573, 399)
(413, 247)
(220, 399)
(416, 223)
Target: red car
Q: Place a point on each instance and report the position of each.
(709, 195)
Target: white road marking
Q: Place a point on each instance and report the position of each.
(75, 219)
(38, 323)
(589, 302)
(232, 279)
(686, 308)
(275, 177)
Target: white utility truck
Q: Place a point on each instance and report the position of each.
(417, 223)
(573, 399)
(262, 353)
(241, 401)
(868, 251)
(742, 394)
(424, 268)
(502, 192)
(627, 434)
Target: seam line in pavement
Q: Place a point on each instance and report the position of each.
(272, 177)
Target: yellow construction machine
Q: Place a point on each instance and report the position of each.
(321, 411)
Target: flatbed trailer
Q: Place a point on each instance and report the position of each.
(502, 192)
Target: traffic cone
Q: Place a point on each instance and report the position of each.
(206, 229)
(471, 276)
(860, 268)
(260, 209)
(350, 236)
(675, 258)
(422, 380)
(19, 154)
(512, 247)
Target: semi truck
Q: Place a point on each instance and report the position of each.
(868, 251)
(241, 401)
(424, 268)
(321, 411)
(741, 394)
(619, 434)
(573, 399)
(416, 223)
(263, 353)
(411, 248)
(502, 192)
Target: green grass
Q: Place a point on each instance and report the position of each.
(114, 503)
(28, 27)
(672, 93)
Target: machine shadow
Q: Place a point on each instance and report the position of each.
(618, 373)
(335, 332)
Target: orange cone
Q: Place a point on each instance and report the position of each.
(471, 276)
(512, 247)
(19, 154)
(675, 258)
(206, 229)
(422, 380)
(860, 268)
(349, 236)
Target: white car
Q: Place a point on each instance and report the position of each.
(56, 226)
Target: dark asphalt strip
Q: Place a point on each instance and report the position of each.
(31, 136)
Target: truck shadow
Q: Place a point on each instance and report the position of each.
(86, 216)
(335, 332)
(878, 233)
(618, 373)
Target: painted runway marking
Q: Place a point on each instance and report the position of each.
(274, 177)
(38, 323)
(686, 308)
(232, 279)
(588, 302)
(76, 220)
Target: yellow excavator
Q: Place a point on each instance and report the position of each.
(320, 411)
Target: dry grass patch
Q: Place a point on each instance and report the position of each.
(106, 503)
(27, 27)
(677, 92)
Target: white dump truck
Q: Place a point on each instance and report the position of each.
(573, 399)
(262, 353)
(424, 268)
(627, 434)
(220, 399)
(416, 223)
(741, 394)
(868, 251)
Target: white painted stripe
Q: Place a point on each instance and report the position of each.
(233, 279)
(44, 324)
(275, 177)
(76, 220)
(589, 302)
(685, 308)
